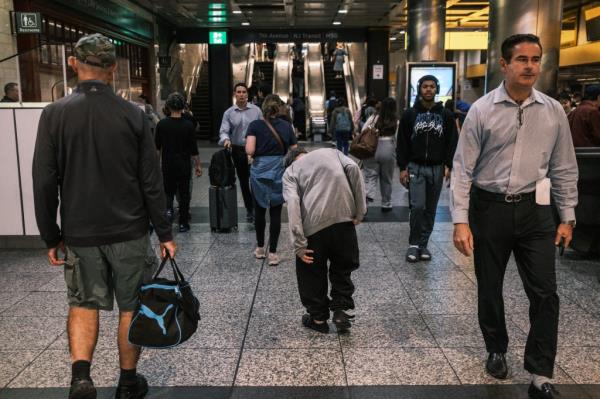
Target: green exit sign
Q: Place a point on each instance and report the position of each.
(216, 6)
(217, 13)
(217, 37)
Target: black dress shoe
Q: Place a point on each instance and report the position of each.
(496, 366)
(135, 391)
(547, 392)
(82, 388)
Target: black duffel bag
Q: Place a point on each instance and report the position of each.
(167, 313)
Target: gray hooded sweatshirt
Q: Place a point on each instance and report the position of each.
(322, 188)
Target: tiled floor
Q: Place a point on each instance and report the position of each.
(416, 333)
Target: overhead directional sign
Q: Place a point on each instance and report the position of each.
(217, 37)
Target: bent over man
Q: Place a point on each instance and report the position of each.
(500, 201)
(95, 150)
(325, 198)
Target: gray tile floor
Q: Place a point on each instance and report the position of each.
(416, 324)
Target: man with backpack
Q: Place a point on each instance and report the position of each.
(341, 126)
(232, 135)
(426, 143)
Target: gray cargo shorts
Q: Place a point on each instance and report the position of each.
(96, 275)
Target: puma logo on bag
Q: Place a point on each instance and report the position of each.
(146, 311)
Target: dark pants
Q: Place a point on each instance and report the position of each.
(176, 179)
(424, 193)
(342, 141)
(260, 223)
(338, 244)
(527, 230)
(240, 161)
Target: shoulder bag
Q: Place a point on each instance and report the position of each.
(365, 144)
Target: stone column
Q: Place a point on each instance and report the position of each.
(426, 30)
(540, 17)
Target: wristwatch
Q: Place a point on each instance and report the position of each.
(569, 222)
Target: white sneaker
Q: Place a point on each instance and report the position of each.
(273, 259)
(259, 253)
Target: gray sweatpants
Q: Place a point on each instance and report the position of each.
(381, 168)
(424, 192)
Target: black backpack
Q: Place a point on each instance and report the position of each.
(221, 172)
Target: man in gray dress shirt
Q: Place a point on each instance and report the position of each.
(232, 134)
(515, 149)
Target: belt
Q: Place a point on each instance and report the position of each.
(499, 197)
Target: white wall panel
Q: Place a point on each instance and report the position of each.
(27, 123)
(11, 222)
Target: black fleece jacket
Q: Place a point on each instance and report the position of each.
(426, 136)
(94, 152)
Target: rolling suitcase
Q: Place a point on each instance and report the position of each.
(223, 208)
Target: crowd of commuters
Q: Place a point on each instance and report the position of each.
(499, 196)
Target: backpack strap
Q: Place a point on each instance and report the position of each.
(275, 135)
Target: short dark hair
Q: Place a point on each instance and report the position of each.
(341, 102)
(510, 42)
(265, 89)
(240, 84)
(9, 86)
(175, 102)
(292, 154)
(591, 92)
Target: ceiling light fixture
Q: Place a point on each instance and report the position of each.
(393, 38)
(237, 11)
(343, 11)
(245, 23)
(337, 23)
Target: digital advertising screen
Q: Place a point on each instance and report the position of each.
(445, 72)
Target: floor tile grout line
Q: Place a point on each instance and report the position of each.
(35, 358)
(237, 367)
(420, 314)
(347, 387)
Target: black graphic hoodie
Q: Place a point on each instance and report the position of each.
(426, 136)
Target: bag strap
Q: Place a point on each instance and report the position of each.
(275, 135)
(176, 272)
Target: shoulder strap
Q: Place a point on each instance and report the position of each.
(275, 135)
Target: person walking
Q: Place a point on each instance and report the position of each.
(267, 142)
(325, 198)
(232, 134)
(500, 204)
(585, 119)
(94, 155)
(341, 126)
(380, 168)
(176, 144)
(426, 143)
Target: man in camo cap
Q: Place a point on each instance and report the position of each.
(96, 50)
(96, 150)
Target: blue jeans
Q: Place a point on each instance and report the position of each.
(341, 139)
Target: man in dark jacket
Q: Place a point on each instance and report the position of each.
(426, 143)
(95, 149)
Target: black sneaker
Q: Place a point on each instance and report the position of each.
(341, 320)
(184, 228)
(250, 217)
(424, 254)
(135, 391)
(547, 392)
(412, 254)
(308, 322)
(82, 388)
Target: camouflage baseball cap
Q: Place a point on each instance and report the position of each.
(96, 50)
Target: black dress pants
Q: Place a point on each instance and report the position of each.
(527, 230)
(338, 245)
(242, 169)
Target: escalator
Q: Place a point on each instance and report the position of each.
(200, 103)
(282, 71)
(314, 82)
